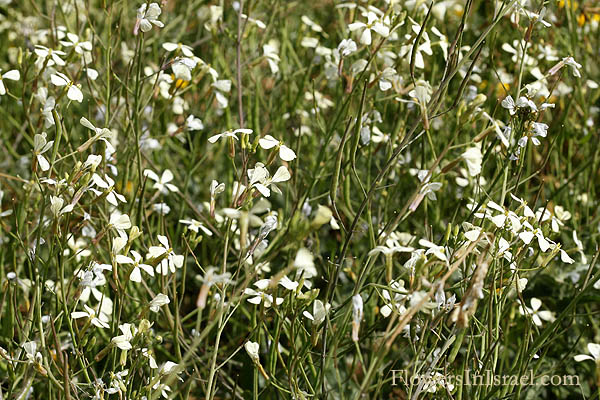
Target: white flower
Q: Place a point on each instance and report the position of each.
(252, 350)
(73, 91)
(570, 61)
(209, 279)
(504, 214)
(260, 179)
(394, 303)
(119, 221)
(101, 321)
(184, 49)
(529, 233)
(123, 341)
(346, 47)
(373, 24)
(135, 275)
(108, 184)
(319, 313)
(357, 315)
(230, 134)
(271, 52)
(13, 75)
(40, 146)
(52, 57)
(285, 153)
(162, 184)
(193, 124)
(390, 250)
(147, 17)
(304, 264)
(438, 251)
(158, 301)
(168, 263)
(474, 158)
(48, 104)
(103, 134)
(56, 206)
(258, 296)
(594, 350)
(196, 226)
(33, 356)
(536, 315)
(288, 283)
(575, 66)
(79, 47)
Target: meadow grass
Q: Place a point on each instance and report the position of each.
(265, 199)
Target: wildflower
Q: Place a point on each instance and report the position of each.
(570, 61)
(210, 278)
(594, 350)
(48, 104)
(270, 51)
(388, 252)
(346, 47)
(260, 179)
(13, 75)
(56, 206)
(536, 315)
(184, 49)
(357, 315)
(78, 246)
(119, 221)
(79, 47)
(135, 275)
(259, 296)
(193, 124)
(474, 158)
(215, 189)
(393, 303)
(504, 215)
(285, 153)
(522, 102)
(147, 17)
(49, 56)
(373, 24)
(169, 260)
(304, 264)
(73, 91)
(529, 233)
(537, 129)
(100, 321)
(195, 226)
(319, 313)
(123, 341)
(108, 184)
(162, 184)
(288, 283)
(40, 146)
(103, 134)
(229, 134)
(438, 251)
(34, 357)
(158, 301)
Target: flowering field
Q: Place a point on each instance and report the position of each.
(299, 199)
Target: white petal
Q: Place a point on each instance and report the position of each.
(281, 175)
(43, 163)
(75, 94)
(13, 75)
(268, 142)
(135, 275)
(286, 154)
